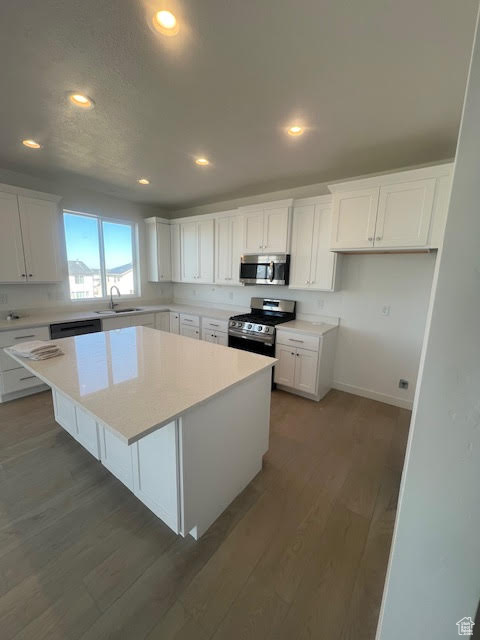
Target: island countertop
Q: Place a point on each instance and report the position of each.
(135, 380)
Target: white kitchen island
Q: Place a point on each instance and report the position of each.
(184, 424)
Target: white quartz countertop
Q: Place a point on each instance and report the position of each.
(306, 327)
(135, 380)
(37, 319)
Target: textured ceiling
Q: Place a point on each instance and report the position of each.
(379, 84)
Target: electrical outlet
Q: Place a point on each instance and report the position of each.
(3, 298)
(403, 384)
(386, 310)
(320, 303)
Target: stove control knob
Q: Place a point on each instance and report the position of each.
(249, 326)
(267, 329)
(259, 327)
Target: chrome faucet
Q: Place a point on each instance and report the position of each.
(113, 304)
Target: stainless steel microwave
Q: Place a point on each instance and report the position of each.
(265, 269)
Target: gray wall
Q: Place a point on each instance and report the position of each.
(434, 573)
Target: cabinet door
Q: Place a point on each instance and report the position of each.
(223, 250)
(404, 214)
(238, 227)
(324, 261)
(190, 332)
(116, 456)
(174, 322)
(12, 261)
(205, 235)
(162, 321)
(40, 225)
(175, 252)
(276, 230)
(164, 253)
(189, 252)
(302, 243)
(120, 322)
(306, 363)
(354, 216)
(285, 367)
(152, 251)
(222, 338)
(253, 232)
(155, 477)
(87, 432)
(209, 336)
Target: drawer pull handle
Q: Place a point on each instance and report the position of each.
(22, 337)
(294, 340)
(27, 378)
(186, 320)
(213, 324)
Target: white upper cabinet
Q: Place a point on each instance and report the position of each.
(267, 227)
(159, 260)
(229, 230)
(12, 258)
(404, 214)
(354, 218)
(196, 251)
(403, 210)
(30, 239)
(40, 224)
(175, 252)
(313, 264)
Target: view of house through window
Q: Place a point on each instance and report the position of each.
(100, 253)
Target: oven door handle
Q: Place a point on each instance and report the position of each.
(250, 337)
(270, 271)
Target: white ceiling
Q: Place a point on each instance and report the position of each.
(379, 84)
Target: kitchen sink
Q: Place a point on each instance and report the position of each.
(122, 310)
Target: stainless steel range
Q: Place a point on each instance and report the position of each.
(255, 331)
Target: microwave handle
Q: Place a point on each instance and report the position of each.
(270, 271)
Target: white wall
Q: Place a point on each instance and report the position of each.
(373, 351)
(37, 296)
(434, 572)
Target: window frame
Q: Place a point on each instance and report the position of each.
(103, 273)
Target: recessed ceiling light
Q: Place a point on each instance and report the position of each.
(165, 22)
(32, 144)
(203, 162)
(79, 100)
(143, 181)
(295, 130)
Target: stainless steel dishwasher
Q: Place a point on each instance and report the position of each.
(76, 328)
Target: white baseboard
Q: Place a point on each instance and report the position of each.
(373, 395)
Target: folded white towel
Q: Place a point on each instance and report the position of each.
(37, 350)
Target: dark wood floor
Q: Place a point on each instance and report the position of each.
(301, 553)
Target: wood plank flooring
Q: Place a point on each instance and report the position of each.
(301, 553)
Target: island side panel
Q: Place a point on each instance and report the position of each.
(222, 444)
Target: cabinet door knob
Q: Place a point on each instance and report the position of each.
(30, 275)
(378, 238)
(370, 239)
(292, 354)
(298, 355)
(24, 275)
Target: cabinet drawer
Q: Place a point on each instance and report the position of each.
(9, 338)
(298, 340)
(215, 325)
(17, 380)
(189, 320)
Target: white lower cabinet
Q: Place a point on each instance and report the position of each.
(15, 380)
(217, 337)
(147, 467)
(116, 456)
(121, 322)
(305, 362)
(174, 322)
(190, 326)
(155, 479)
(162, 321)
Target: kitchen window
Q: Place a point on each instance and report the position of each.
(101, 252)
